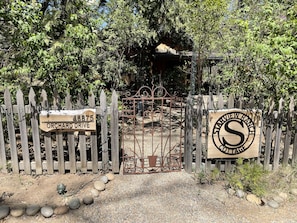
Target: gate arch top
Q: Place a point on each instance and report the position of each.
(151, 93)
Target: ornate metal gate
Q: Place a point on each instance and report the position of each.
(151, 131)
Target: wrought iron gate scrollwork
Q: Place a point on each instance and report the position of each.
(151, 131)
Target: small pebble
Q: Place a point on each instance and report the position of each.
(47, 211)
(110, 176)
(273, 204)
(99, 185)
(104, 179)
(294, 191)
(32, 210)
(74, 203)
(94, 192)
(61, 210)
(240, 193)
(17, 211)
(253, 199)
(4, 211)
(88, 200)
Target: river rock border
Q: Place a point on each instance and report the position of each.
(49, 211)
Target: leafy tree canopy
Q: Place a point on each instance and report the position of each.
(260, 48)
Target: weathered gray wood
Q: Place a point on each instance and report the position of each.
(189, 135)
(70, 138)
(3, 160)
(104, 133)
(115, 134)
(288, 133)
(276, 157)
(220, 106)
(228, 164)
(23, 131)
(82, 140)
(60, 152)
(11, 132)
(268, 135)
(220, 101)
(47, 138)
(35, 131)
(210, 104)
(93, 138)
(294, 155)
(198, 160)
(82, 151)
(231, 101)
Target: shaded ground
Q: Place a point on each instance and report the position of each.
(168, 197)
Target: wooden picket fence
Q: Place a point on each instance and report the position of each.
(24, 147)
(278, 144)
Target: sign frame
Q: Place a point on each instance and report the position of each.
(68, 120)
(234, 133)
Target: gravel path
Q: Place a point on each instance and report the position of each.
(168, 198)
(176, 197)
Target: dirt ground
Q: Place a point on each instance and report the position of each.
(169, 197)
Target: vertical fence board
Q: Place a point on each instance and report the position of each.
(11, 131)
(268, 136)
(93, 138)
(230, 104)
(35, 131)
(294, 155)
(82, 140)
(115, 134)
(198, 159)
(23, 131)
(70, 139)
(3, 160)
(60, 152)
(278, 135)
(104, 133)
(188, 135)
(220, 101)
(288, 133)
(47, 138)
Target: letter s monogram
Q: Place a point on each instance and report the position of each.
(232, 131)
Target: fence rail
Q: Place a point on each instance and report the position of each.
(24, 147)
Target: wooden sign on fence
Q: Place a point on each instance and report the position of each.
(234, 133)
(68, 120)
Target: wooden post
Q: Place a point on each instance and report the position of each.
(268, 134)
(70, 138)
(198, 160)
(294, 156)
(82, 140)
(47, 138)
(228, 164)
(35, 131)
(115, 134)
(93, 138)
(23, 131)
(11, 131)
(3, 161)
(288, 133)
(278, 135)
(188, 135)
(104, 132)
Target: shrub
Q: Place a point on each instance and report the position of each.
(249, 177)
